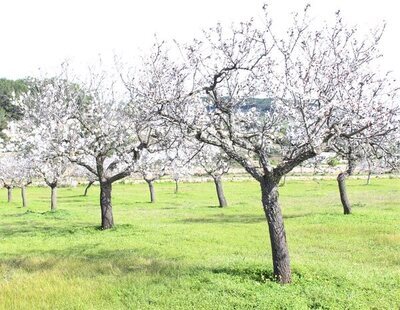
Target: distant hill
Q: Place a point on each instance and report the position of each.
(261, 104)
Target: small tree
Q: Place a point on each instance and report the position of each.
(42, 130)
(152, 166)
(16, 171)
(216, 164)
(110, 129)
(24, 172)
(375, 147)
(52, 170)
(91, 180)
(180, 163)
(103, 140)
(83, 173)
(8, 176)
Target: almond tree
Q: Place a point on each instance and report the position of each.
(181, 163)
(90, 177)
(215, 163)
(105, 140)
(178, 169)
(152, 166)
(92, 123)
(110, 130)
(42, 131)
(375, 165)
(52, 171)
(320, 85)
(374, 148)
(8, 177)
(16, 171)
(24, 172)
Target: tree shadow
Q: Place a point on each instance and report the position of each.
(85, 261)
(298, 215)
(91, 259)
(223, 218)
(257, 274)
(57, 214)
(72, 196)
(215, 207)
(25, 227)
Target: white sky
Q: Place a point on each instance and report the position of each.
(43, 33)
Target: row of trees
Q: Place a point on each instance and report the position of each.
(17, 171)
(321, 87)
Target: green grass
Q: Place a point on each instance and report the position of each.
(185, 253)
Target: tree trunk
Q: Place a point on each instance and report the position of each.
(176, 186)
(343, 193)
(23, 196)
(9, 193)
(107, 220)
(273, 213)
(151, 189)
(220, 193)
(53, 204)
(87, 188)
(284, 181)
(369, 177)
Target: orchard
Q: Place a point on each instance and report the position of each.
(243, 107)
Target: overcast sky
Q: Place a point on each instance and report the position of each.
(43, 33)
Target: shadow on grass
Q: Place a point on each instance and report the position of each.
(245, 219)
(298, 215)
(87, 261)
(223, 218)
(26, 228)
(74, 196)
(252, 273)
(90, 259)
(58, 214)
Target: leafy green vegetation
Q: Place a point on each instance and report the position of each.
(183, 252)
(9, 88)
(8, 111)
(333, 161)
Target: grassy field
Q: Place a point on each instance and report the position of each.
(185, 253)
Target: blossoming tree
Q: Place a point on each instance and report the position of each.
(41, 132)
(215, 163)
(152, 167)
(272, 101)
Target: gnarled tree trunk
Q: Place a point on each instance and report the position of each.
(273, 213)
(23, 196)
(87, 188)
(151, 189)
(341, 179)
(107, 220)
(220, 192)
(53, 203)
